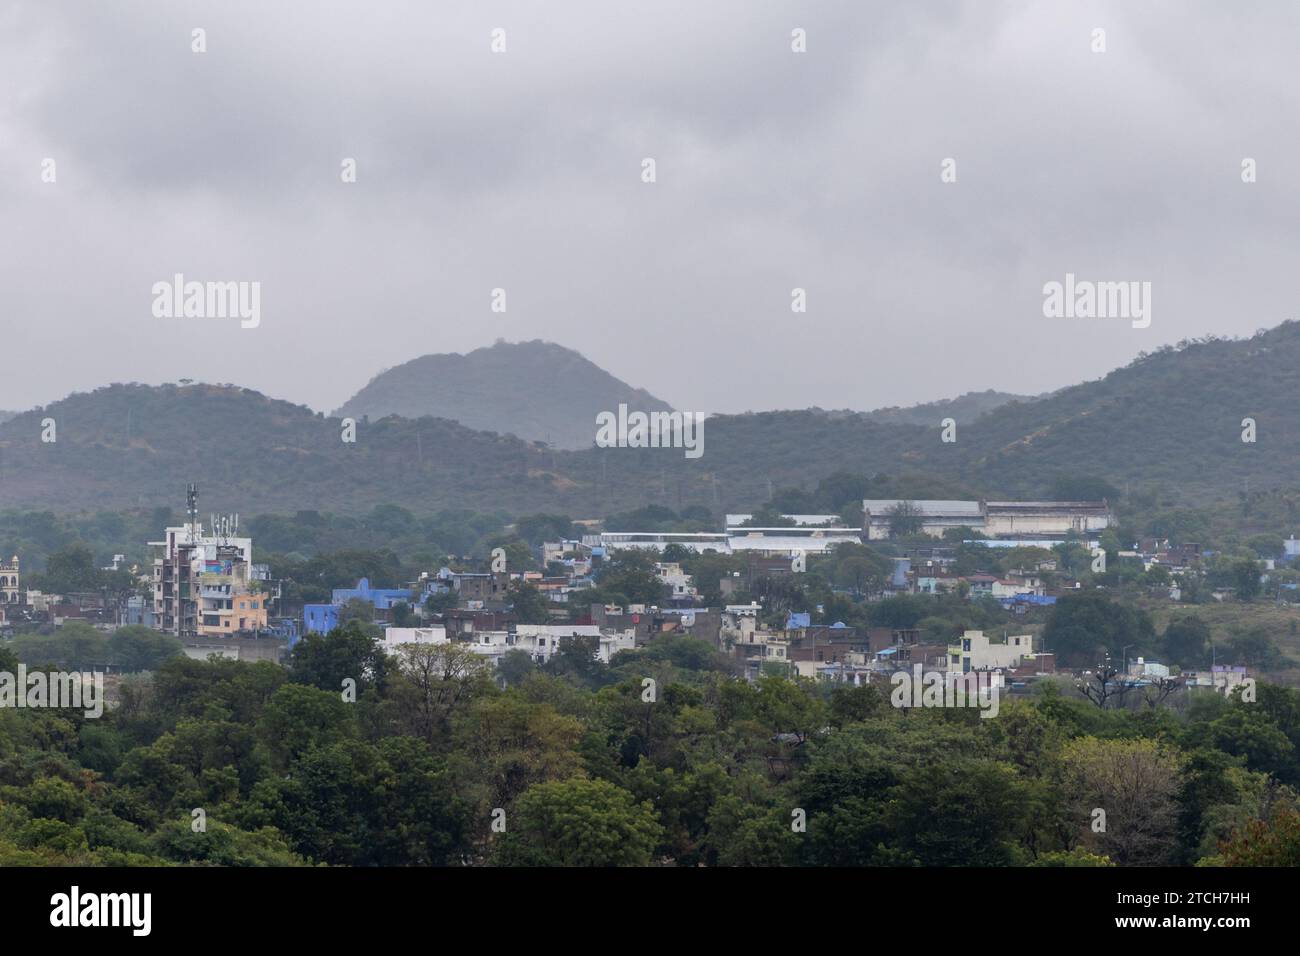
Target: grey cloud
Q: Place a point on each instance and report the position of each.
(775, 171)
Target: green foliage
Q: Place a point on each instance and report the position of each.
(529, 604)
(1086, 627)
(1186, 642)
(662, 757)
(1167, 427)
(350, 652)
(578, 822)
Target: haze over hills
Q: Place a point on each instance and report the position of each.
(535, 390)
(1172, 419)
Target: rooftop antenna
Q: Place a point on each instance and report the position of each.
(192, 504)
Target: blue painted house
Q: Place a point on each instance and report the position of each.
(319, 618)
(381, 598)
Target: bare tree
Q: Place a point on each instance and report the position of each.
(1105, 684)
(1160, 689)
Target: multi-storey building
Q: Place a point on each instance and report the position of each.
(203, 582)
(10, 592)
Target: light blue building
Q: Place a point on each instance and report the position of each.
(382, 598)
(319, 618)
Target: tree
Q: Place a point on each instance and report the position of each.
(349, 652)
(71, 568)
(1245, 574)
(357, 610)
(1087, 625)
(440, 603)
(515, 743)
(576, 660)
(75, 646)
(1159, 689)
(538, 528)
(966, 812)
(628, 576)
(862, 570)
(1186, 641)
(530, 605)
(1082, 488)
(1104, 684)
(578, 822)
(514, 666)
(904, 519)
(301, 718)
(1254, 648)
(136, 648)
(1266, 545)
(768, 516)
(1135, 783)
(1263, 843)
(438, 680)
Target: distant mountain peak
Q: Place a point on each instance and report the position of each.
(536, 390)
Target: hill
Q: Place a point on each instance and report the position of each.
(962, 409)
(1172, 418)
(535, 390)
(1170, 421)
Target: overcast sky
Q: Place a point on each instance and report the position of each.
(522, 170)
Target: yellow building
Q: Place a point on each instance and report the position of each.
(228, 604)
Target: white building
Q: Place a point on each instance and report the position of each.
(678, 581)
(803, 521)
(785, 542)
(543, 640)
(974, 651)
(765, 541)
(395, 637)
(996, 519)
(934, 516)
(657, 541)
(1145, 668)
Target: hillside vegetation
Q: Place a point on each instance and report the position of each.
(1169, 421)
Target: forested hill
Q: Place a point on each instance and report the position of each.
(1171, 419)
(534, 390)
(962, 409)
